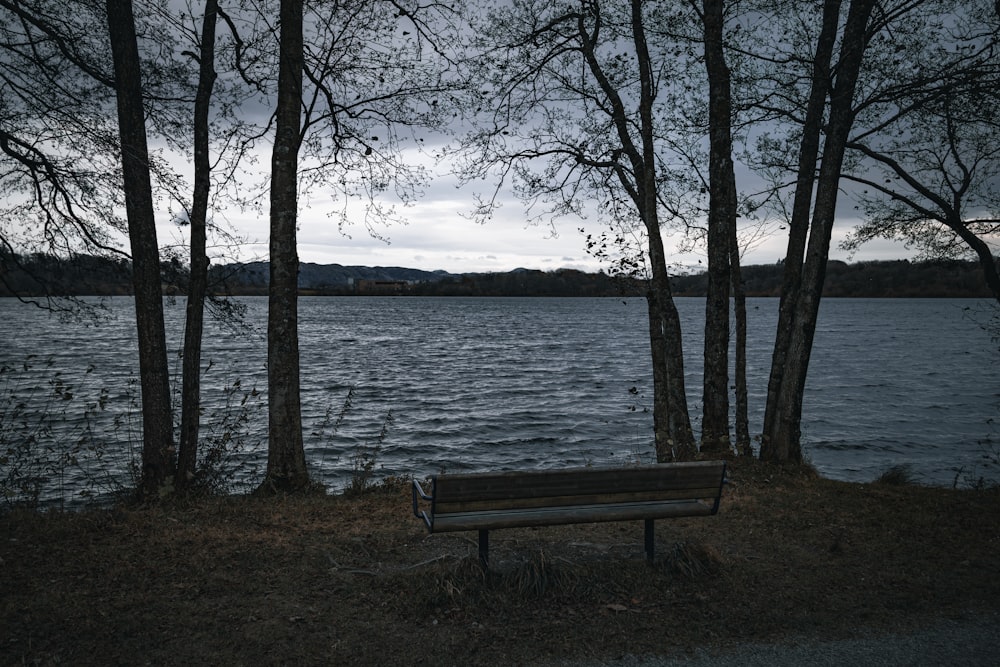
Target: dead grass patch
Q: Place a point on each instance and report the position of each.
(335, 580)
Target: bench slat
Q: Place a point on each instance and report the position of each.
(607, 498)
(577, 482)
(546, 516)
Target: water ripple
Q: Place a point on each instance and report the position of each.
(508, 383)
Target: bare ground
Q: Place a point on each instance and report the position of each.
(338, 580)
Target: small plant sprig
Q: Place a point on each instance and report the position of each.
(366, 458)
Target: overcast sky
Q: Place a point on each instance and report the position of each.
(439, 234)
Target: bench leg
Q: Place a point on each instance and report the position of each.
(650, 542)
(484, 548)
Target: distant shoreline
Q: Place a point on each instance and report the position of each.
(40, 276)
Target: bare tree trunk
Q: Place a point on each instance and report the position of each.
(663, 443)
(154, 378)
(671, 421)
(721, 225)
(799, 224)
(194, 322)
(783, 439)
(743, 446)
(665, 325)
(286, 464)
(674, 436)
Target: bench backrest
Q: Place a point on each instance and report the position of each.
(524, 490)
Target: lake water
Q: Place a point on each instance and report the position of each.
(505, 383)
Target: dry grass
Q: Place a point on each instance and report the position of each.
(338, 580)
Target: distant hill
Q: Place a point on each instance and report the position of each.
(38, 275)
(252, 278)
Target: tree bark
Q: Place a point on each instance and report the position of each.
(782, 440)
(674, 438)
(671, 396)
(743, 446)
(286, 464)
(662, 440)
(721, 226)
(195, 316)
(798, 227)
(154, 378)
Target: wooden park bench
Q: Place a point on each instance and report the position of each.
(487, 501)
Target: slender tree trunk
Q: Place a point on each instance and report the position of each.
(663, 442)
(672, 424)
(799, 224)
(784, 438)
(665, 326)
(721, 223)
(194, 323)
(674, 437)
(154, 378)
(743, 446)
(286, 464)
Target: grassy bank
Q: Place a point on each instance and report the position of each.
(336, 580)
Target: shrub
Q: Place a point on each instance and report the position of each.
(227, 438)
(46, 434)
(897, 475)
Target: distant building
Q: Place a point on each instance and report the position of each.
(381, 287)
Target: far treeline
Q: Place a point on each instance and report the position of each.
(86, 275)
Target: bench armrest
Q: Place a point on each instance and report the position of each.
(417, 512)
